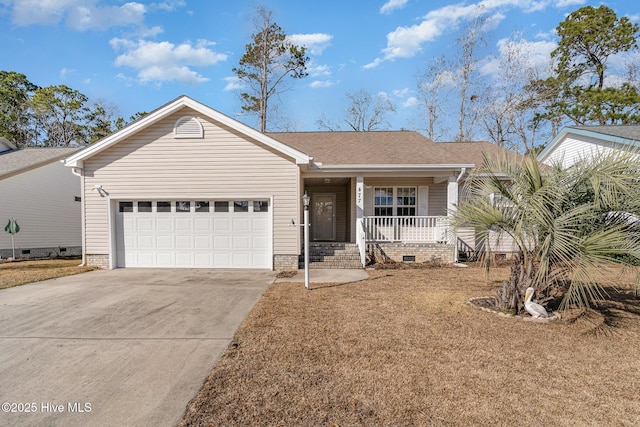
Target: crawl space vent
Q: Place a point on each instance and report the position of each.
(188, 127)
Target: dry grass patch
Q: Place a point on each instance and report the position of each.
(405, 348)
(21, 272)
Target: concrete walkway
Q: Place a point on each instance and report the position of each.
(127, 347)
(328, 276)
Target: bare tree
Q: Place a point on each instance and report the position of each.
(472, 38)
(364, 113)
(507, 118)
(434, 88)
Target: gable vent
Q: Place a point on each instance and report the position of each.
(188, 127)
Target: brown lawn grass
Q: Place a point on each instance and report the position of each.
(21, 272)
(405, 348)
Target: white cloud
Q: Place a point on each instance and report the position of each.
(315, 43)
(410, 102)
(164, 61)
(392, 5)
(407, 41)
(168, 5)
(65, 72)
(321, 84)
(318, 70)
(233, 83)
(80, 15)
(401, 93)
(534, 55)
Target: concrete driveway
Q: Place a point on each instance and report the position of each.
(117, 347)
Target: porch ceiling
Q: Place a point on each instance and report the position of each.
(315, 182)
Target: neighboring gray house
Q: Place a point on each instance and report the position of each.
(40, 193)
(186, 186)
(576, 142)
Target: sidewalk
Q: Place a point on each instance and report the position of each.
(328, 275)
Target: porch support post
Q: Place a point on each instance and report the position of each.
(452, 205)
(360, 233)
(452, 195)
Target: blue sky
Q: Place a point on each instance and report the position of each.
(138, 55)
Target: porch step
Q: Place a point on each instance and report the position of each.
(332, 255)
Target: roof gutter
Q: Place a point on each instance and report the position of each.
(319, 167)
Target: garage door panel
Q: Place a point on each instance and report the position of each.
(164, 242)
(184, 259)
(260, 260)
(183, 224)
(221, 260)
(164, 224)
(202, 239)
(260, 242)
(165, 259)
(241, 260)
(183, 242)
(145, 242)
(259, 223)
(146, 259)
(221, 225)
(221, 242)
(144, 224)
(241, 242)
(202, 242)
(203, 259)
(240, 225)
(202, 225)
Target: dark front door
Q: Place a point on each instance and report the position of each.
(324, 216)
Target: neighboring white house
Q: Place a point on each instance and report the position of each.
(43, 197)
(576, 142)
(186, 186)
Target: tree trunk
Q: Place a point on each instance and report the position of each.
(511, 296)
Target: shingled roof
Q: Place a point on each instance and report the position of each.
(629, 132)
(385, 148)
(16, 161)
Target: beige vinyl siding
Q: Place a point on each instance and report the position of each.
(437, 192)
(223, 164)
(42, 201)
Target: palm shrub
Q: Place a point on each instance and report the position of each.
(565, 223)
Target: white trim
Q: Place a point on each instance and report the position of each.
(172, 107)
(394, 198)
(111, 218)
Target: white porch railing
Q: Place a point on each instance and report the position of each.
(406, 228)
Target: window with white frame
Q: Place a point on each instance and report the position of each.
(395, 201)
(405, 201)
(383, 201)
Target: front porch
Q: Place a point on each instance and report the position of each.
(406, 217)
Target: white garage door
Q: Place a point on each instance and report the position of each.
(194, 233)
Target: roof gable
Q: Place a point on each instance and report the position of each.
(172, 107)
(619, 134)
